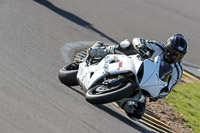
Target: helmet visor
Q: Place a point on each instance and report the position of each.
(173, 55)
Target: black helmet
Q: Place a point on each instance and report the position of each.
(176, 48)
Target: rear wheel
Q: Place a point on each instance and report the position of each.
(100, 94)
(67, 74)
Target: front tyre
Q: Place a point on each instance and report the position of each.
(67, 74)
(96, 95)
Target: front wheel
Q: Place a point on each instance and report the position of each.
(100, 94)
(67, 74)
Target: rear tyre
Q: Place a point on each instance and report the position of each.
(93, 96)
(67, 74)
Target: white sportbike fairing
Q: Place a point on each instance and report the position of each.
(149, 76)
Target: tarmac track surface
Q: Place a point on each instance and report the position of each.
(32, 32)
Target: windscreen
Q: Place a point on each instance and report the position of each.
(165, 71)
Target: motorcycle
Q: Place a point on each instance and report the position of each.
(117, 77)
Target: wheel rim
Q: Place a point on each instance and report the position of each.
(103, 89)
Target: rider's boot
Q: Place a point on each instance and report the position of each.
(99, 49)
(138, 112)
(134, 110)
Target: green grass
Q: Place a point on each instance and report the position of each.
(185, 99)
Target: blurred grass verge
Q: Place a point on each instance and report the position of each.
(185, 100)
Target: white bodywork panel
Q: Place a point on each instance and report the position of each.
(116, 64)
(151, 81)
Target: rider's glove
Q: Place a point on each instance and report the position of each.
(140, 47)
(142, 50)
